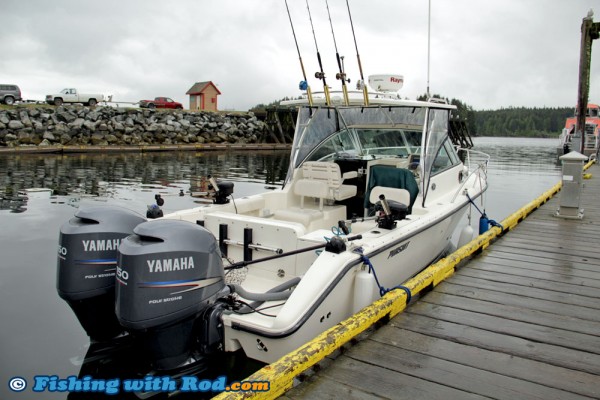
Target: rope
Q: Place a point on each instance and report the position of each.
(484, 215)
(341, 229)
(382, 290)
(336, 231)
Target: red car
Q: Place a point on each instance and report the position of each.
(161, 102)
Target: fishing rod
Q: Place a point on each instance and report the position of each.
(335, 244)
(340, 75)
(362, 78)
(304, 84)
(319, 75)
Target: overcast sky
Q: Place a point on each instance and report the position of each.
(487, 54)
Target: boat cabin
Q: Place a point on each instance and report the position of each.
(398, 147)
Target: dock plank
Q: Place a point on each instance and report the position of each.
(546, 253)
(501, 297)
(526, 291)
(533, 283)
(386, 383)
(515, 345)
(525, 257)
(529, 271)
(486, 320)
(523, 313)
(567, 270)
(456, 375)
(319, 388)
(500, 363)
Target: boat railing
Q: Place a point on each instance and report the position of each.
(564, 138)
(476, 163)
(473, 159)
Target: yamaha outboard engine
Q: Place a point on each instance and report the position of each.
(169, 275)
(222, 190)
(87, 259)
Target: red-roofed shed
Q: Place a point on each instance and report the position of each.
(203, 96)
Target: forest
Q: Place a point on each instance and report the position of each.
(522, 121)
(510, 121)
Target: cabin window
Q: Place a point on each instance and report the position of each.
(390, 142)
(330, 133)
(442, 160)
(337, 146)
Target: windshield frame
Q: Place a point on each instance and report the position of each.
(317, 125)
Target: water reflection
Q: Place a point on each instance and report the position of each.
(523, 156)
(15, 202)
(105, 175)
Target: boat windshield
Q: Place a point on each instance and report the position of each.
(357, 132)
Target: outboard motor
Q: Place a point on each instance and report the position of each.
(225, 190)
(87, 259)
(222, 190)
(169, 275)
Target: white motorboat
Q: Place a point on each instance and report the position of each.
(373, 195)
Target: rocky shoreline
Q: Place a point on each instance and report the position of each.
(108, 126)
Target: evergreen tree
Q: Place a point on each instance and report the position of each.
(511, 121)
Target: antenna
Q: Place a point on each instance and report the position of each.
(428, 48)
(340, 75)
(319, 75)
(304, 84)
(362, 78)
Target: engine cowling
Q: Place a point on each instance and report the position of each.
(169, 272)
(87, 258)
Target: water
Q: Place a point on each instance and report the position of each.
(520, 170)
(41, 336)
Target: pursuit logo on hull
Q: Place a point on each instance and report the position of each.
(398, 250)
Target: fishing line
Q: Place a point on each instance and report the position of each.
(362, 78)
(304, 84)
(319, 75)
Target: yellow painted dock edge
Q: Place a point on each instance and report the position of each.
(282, 372)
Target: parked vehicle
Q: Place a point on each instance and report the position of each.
(9, 94)
(161, 102)
(70, 95)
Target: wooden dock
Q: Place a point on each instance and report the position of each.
(519, 321)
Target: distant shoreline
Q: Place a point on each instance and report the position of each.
(84, 129)
(143, 149)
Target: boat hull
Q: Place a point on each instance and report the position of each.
(395, 256)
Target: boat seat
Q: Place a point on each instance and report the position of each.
(399, 195)
(312, 218)
(394, 178)
(303, 216)
(324, 181)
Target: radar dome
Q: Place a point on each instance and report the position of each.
(386, 82)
